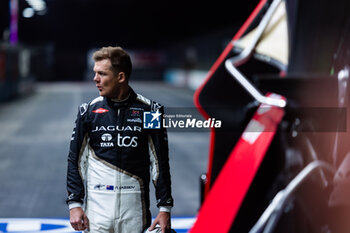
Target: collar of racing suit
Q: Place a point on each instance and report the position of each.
(122, 103)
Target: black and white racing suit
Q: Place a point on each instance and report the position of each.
(110, 162)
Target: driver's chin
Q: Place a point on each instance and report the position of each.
(106, 94)
(102, 93)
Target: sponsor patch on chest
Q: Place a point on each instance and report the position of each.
(113, 128)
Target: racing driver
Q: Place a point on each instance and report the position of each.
(112, 157)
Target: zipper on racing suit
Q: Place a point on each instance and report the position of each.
(119, 161)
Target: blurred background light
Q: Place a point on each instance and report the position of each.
(28, 12)
(37, 5)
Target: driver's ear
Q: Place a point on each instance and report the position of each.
(121, 77)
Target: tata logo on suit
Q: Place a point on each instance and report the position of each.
(122, 141)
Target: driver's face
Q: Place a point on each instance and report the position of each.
(106, 81)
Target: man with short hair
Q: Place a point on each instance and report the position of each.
(112, 157)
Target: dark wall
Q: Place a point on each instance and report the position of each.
(4, 16)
